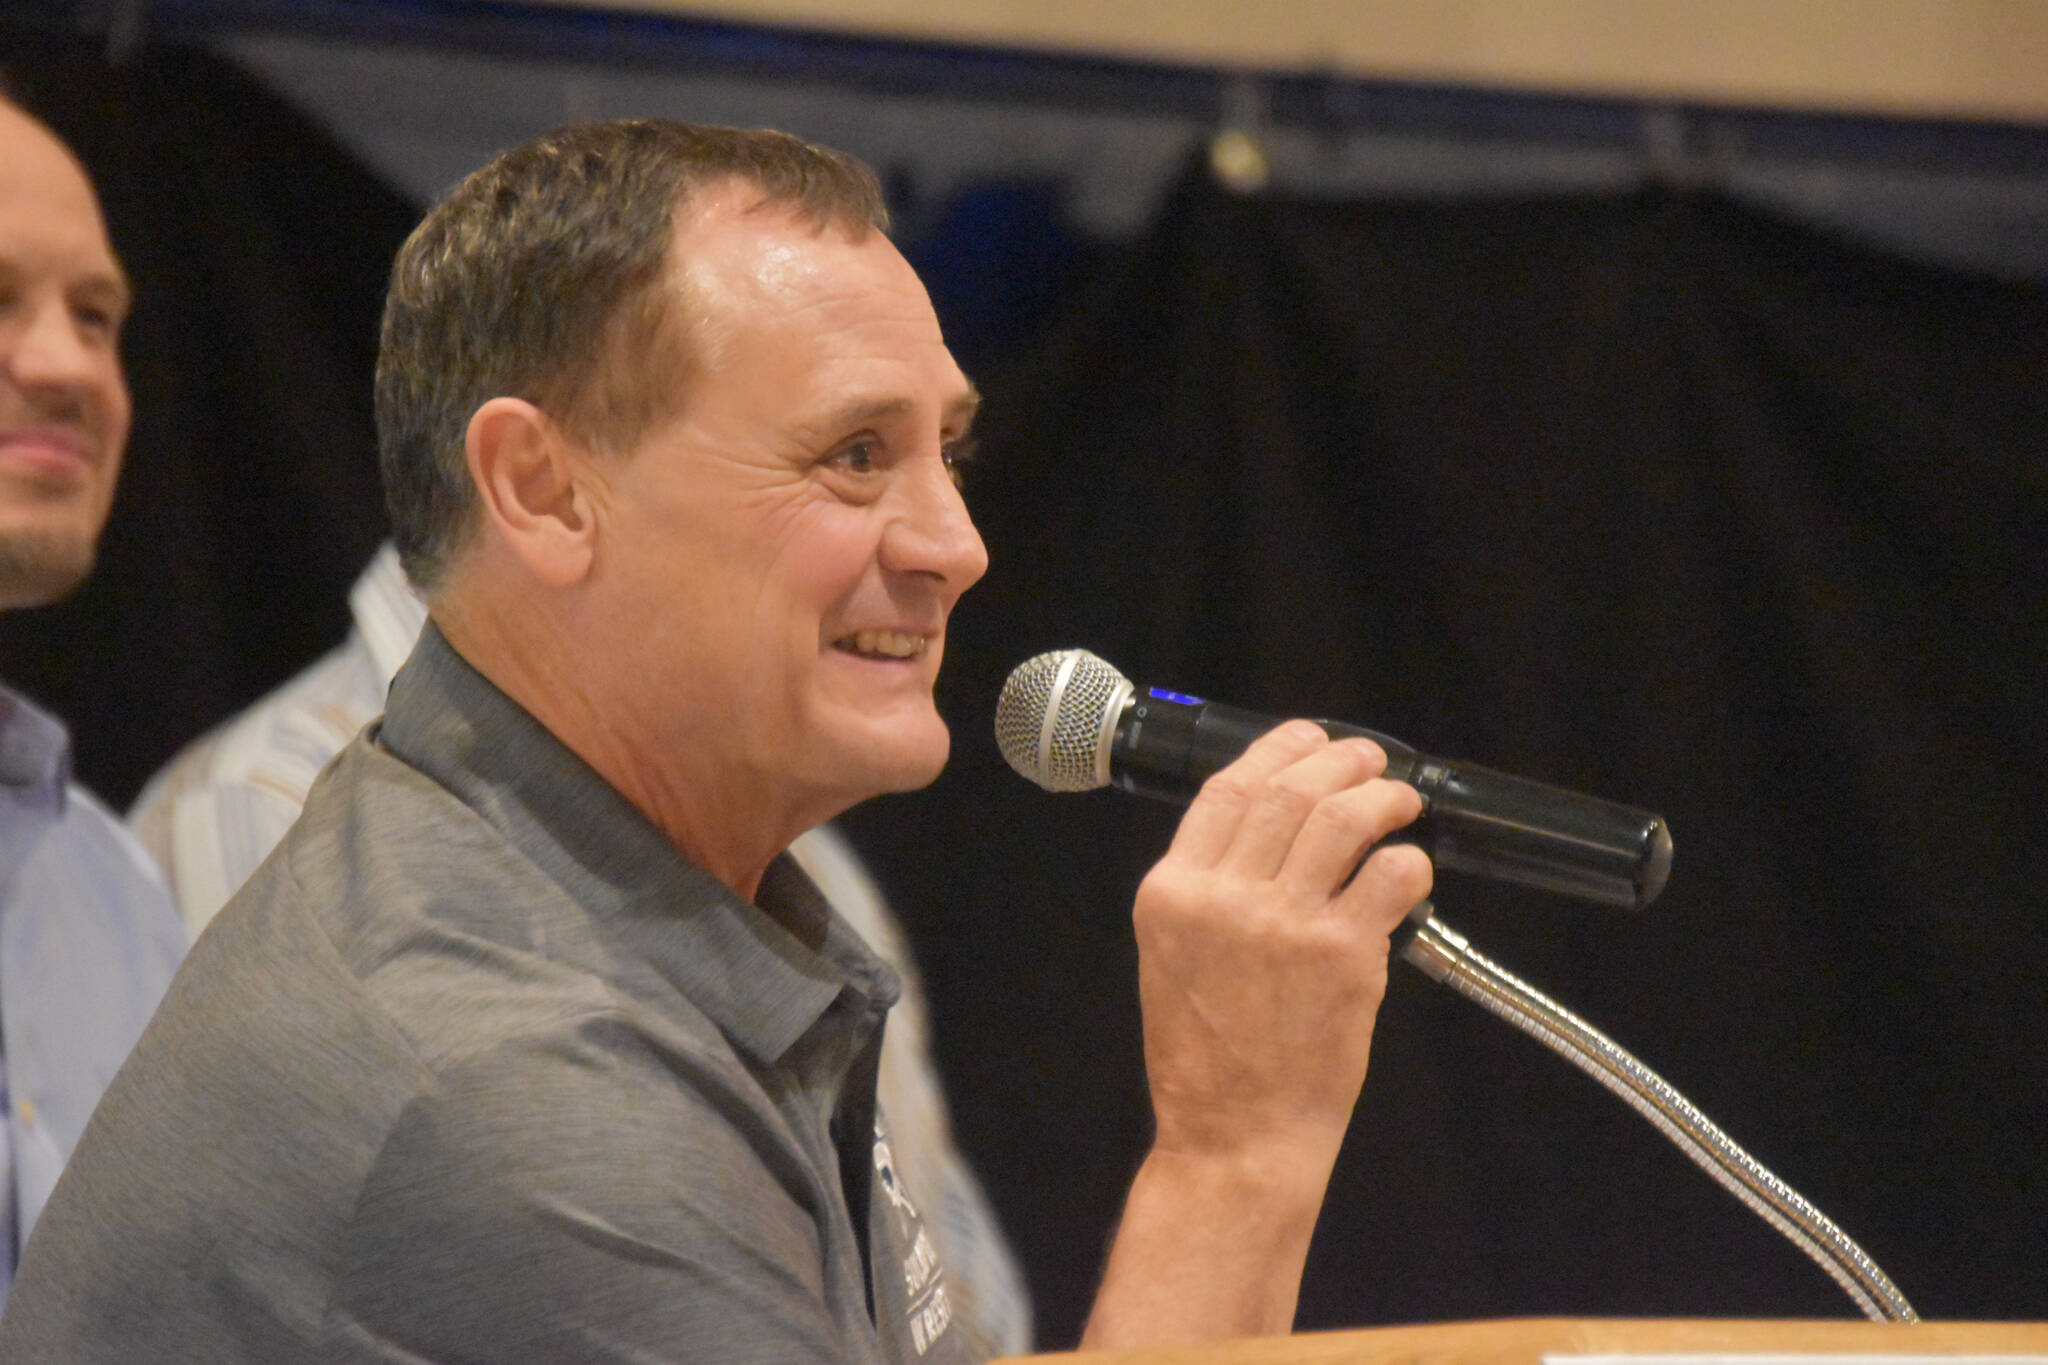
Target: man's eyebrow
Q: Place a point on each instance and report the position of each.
(109, 287)
(113, 289)
(960, 411)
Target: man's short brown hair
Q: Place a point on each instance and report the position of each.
(538, 277)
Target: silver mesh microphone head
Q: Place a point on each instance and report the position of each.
(1057, 716)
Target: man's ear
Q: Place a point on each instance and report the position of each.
(526, 472)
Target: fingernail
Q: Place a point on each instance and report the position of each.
(1369, 749)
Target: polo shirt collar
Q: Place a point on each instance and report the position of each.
(758, 981)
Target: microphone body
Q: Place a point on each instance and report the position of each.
(1068, 721)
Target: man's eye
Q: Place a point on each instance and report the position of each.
(957, 455)
(858, 458)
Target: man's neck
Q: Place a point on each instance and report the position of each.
(727, 823)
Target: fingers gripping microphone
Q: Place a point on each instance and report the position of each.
(1070, 722)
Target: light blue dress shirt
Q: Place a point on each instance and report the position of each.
(89, 938)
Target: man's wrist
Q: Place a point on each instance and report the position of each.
(1280, 1181)
(1211, 1246)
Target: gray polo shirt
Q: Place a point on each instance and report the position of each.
(478, 1068)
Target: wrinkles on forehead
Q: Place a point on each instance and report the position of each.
(718, 280)
(835, 323)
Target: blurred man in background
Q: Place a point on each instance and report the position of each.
(88, 937)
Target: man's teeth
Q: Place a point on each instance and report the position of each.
(892, 644)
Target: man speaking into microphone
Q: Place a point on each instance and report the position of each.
(528, 1043)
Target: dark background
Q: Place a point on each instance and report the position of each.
(1648, 493)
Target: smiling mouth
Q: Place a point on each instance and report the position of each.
(883, 644)
(47, 453)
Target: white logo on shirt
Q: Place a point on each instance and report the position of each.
(924, 1279)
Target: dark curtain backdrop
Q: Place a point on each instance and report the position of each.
(1648, 496)
(249, 497)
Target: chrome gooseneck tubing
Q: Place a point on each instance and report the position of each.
(1445, 956)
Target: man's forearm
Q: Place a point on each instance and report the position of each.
(1262, 960)
(1208, 1249)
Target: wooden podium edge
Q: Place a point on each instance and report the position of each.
(1525, 1341)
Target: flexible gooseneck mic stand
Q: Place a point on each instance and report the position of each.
(1444, 955)
(1068, 721)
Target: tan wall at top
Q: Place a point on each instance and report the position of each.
(1969, 58)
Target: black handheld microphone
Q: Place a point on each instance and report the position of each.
(1070, 722)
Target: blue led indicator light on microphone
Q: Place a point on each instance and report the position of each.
(1162, 694)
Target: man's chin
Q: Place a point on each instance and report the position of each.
(918, 772)
(38, 567)
(901, 762)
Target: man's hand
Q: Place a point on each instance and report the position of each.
(1261, 963)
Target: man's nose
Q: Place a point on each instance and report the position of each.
(52, 350)
(932, 532)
